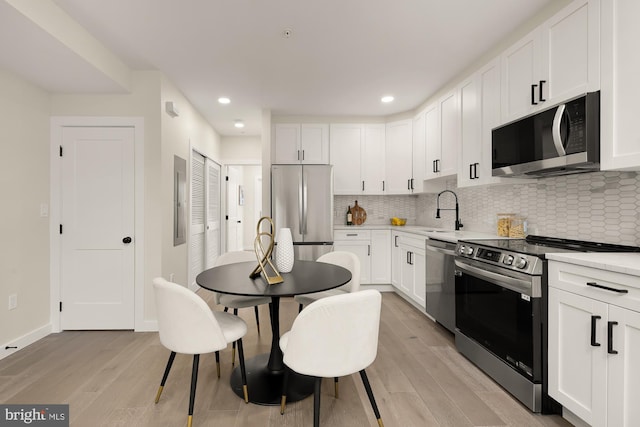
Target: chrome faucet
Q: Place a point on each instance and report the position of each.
(457, 209)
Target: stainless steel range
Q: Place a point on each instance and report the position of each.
(501, 310)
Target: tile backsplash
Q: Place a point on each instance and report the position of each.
(598, 206)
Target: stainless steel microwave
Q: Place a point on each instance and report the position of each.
(561, 140)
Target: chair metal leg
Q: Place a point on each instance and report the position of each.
(233, 345)
(218, 363)
(367, 387)
(335, 386)
(192, 395)
(316, 402)
(172, 356)
(285, 382)
(226, 309)
(255, 310)
(300, 307)
(243, 371)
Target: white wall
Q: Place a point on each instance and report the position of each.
(241, 150)
(24, 185)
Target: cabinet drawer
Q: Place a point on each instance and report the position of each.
(351, 235)
(407, 239)
(622, 289)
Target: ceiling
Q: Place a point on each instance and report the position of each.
(341, 56)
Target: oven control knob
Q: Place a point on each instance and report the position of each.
(508, 260)
(469, 251)
(521, 263)
(461, 251)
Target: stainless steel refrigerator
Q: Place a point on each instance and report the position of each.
(302, 200)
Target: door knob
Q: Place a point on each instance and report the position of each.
(126, 240)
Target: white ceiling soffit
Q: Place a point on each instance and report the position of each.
(341, 56)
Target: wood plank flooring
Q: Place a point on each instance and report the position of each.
(110, 378)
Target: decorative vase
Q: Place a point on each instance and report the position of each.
(284, 250)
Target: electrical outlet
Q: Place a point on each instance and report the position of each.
(171, 277)
(13, 301)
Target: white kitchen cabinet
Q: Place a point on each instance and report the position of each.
(399, 160)
(373, 159)
(359, 243)
(408, 267)
(557, 61)
(470, 135)
(418, 152)
(620, 141)
(594, 343)
(372, 248)
(357, 156)
(442, 139)
(380, 257)
(301, 143)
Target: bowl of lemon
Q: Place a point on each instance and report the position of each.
(398, 221)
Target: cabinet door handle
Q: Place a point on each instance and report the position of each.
(408, 257)
(610, 349)
(470, 170)
(408, 184)
(433, 166)
(303, 155)
(298, 154)
(541, 97)
(475, 170)
(362, 185)
(437, 165)
(412, 183)
(368, 250)
(395, 241)
(607, 288)
(594, 343)
(382, 185)
(352, 234)
(533, 94)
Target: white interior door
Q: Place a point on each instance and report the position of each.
(198, 220)
(97, 224)
(234, 209)
(213, 202)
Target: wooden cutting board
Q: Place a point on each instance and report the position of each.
(359, 215)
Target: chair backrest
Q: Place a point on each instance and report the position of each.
(185, 321)
(336, 335)
(348, 260)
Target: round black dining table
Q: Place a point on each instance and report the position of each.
(265, 372)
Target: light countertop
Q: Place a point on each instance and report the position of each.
(627, 263)
(429, 232)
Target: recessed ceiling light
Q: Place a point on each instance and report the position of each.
(239, 124)
(387, 99)
(224, 100)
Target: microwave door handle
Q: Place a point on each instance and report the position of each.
(555, 131)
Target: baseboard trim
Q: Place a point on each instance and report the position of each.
(25, 340)
(147, 326)
(381, 288)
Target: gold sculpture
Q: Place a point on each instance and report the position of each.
(264, 257)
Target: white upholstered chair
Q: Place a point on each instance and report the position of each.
(333, 337)
(187, 325)
(239, 301)
(345, 259)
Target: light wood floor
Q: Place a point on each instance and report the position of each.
(110, 378)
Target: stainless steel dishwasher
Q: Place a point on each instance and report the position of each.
(441, 289)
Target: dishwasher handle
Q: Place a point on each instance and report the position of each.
(446, 248)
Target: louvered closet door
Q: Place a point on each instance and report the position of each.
(213, 202)
(197, 229)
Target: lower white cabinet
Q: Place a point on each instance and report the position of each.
(594, 344)
(408, 266)
(372, 248)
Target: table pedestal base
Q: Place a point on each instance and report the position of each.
(265, 386)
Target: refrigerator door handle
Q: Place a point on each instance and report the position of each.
(300, 206)
(304, 202)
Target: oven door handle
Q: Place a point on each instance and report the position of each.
(517, 285)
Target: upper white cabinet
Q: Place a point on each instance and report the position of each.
(418, 152)
(357, 154)
(301, 143)
(399, 162)
(442, 132)
(557, 61)
(620, 142)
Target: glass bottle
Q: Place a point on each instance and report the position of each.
(349, 216)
